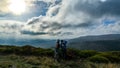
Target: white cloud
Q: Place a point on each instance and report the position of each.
(73, 18)
(3, 6)
(9, 26)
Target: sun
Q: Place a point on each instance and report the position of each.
(103, 0)
(17, 6)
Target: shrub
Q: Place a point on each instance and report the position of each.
(111, 57)
(72, 53)
(6, 64)
(75, 53)
(7, 51)
(87, 53)
(32, 60)
(98, 59)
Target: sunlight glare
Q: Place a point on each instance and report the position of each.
(17, 6)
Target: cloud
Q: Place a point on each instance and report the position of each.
(33, 33)
(3, 6)
(9, 28)
(33, 20)
(73, 18)
(80, 17)
(98, 9)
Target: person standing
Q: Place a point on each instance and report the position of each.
(64, 49)
(57, 50)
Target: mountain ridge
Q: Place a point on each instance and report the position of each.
(110, 42)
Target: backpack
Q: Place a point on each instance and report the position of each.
(57, 45)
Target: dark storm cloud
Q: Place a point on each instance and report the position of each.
(98, 9)
(27, 32)
(33, 33)
(80, 25)
(56, 26)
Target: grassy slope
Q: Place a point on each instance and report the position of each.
(15, 57)
(48, 62)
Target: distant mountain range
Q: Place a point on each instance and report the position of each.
(44, 43)
(109, 42)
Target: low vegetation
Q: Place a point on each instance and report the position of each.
(32, 57)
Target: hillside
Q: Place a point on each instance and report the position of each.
(32, 57)
(109, 42)
(100, 43)
(43, 43)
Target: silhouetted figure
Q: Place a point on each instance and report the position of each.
(64, 49)
(57, 50)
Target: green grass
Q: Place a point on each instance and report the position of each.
(31, 57)
(48, 62)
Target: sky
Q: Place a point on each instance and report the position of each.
(58, 19)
